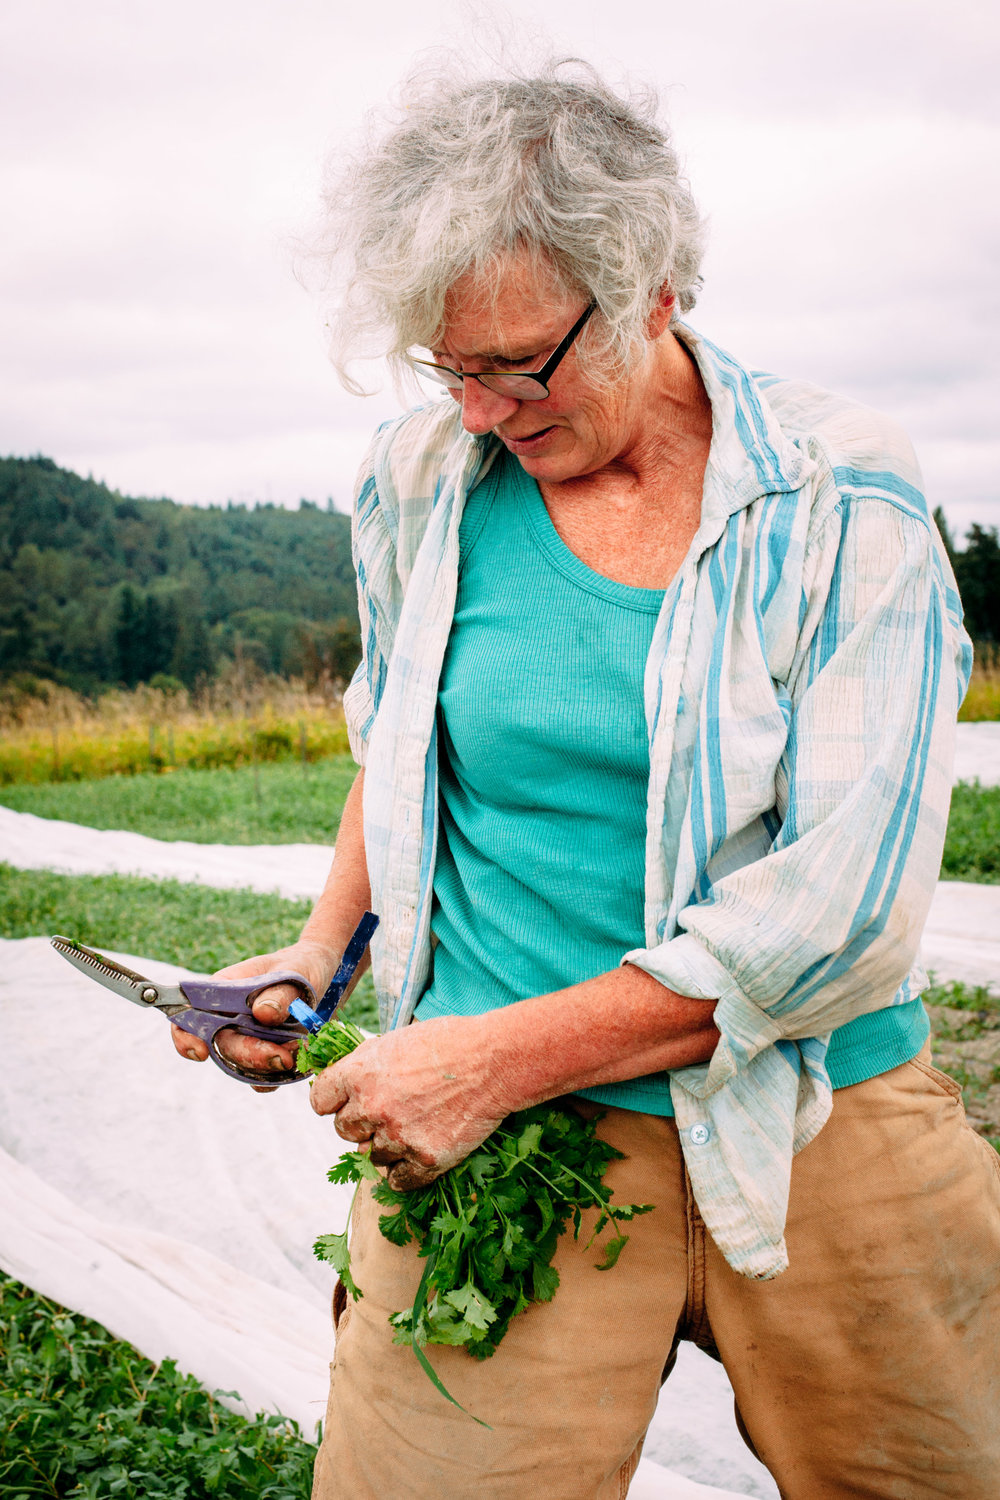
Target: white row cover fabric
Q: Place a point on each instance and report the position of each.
(962, 936)
(977, 753)
(961, 939)
(295, 871)
(179, 1209)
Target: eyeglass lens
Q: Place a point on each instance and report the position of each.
(521, 387)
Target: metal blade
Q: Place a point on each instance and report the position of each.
(106, 971)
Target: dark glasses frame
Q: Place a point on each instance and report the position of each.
(527, 385)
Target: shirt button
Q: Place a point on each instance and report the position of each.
(700, 1135)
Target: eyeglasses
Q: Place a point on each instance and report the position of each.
(532, 386)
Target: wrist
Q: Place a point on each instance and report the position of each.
(517, 1067)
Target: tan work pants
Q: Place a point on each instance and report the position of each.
(870, 1368)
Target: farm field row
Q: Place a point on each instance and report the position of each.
(269, 804)
(203, 928)
(288, 804)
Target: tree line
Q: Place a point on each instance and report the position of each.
(97, 588)
(977, 573)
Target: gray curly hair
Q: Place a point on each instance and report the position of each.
(557, 165)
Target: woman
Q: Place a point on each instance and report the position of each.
(661, 667)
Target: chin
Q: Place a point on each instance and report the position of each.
(553, 467)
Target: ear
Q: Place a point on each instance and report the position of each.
(663, 311)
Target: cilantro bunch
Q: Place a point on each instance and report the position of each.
(488, 1227)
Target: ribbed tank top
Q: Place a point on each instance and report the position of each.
(544, 766)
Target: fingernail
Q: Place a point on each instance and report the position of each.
(268, 1012)
(277, 1064)
(192, 1054)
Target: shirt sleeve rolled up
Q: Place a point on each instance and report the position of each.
(826, 925)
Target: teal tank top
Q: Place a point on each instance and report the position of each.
(543, 773)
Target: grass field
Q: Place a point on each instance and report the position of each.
(982, 701)
(53, 734)
(972, 848)
(50, 734)
(269, 804)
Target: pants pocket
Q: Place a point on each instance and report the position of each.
(340, 1301)
(944, 1082)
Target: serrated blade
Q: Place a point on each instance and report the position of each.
(106, 971)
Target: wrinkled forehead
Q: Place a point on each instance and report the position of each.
(514, 306)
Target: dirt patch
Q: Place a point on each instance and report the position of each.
(966, 1044)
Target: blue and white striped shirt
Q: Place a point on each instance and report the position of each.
(801, 694)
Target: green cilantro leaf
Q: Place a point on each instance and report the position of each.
(333, 1247)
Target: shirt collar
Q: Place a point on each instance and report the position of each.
(750, 455)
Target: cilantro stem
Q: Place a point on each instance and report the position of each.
(595, 1197)
(419, 1303)
(354, 1199)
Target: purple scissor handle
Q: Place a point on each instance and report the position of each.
(204, 1007)
(215, 1004)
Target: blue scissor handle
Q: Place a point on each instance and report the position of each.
(311, 1019)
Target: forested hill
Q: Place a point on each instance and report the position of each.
(97, 588)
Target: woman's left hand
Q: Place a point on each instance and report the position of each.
(423, 1096)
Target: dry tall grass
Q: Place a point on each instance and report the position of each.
(982, 701)
(53, 734)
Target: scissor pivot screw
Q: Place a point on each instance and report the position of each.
(149, 994)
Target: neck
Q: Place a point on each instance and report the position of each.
(668, 431)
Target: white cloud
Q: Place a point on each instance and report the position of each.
(154, 334)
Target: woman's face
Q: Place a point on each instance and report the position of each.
(579, 427)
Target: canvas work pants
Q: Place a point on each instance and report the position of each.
(870, 1368)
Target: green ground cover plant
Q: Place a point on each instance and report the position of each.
(194, 925)
(86, 1416)
(266, 804)
(972, 847)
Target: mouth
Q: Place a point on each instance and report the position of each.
(530, 443)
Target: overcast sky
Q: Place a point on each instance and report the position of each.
(158, 157)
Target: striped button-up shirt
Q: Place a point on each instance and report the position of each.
(801, 692)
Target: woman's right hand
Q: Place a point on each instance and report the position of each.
(316, 956)
(314, 961)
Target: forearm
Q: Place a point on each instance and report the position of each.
(616, 1026)
(346, 895)
(426, 1095)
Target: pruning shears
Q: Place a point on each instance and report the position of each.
(204, 1007)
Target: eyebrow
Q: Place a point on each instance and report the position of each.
(492, 357)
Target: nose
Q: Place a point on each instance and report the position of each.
(483, 409)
